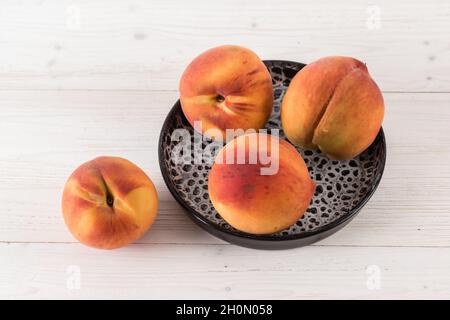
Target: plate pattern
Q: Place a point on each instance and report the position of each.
(342, 187)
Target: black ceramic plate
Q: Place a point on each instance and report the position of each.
(343, 187)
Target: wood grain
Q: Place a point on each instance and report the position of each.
(46, 135)
(79, 79)
(145, 45)
(32, 271)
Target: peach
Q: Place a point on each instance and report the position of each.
(333, 104)
(259, 203)
(108, 203)
(227, 87)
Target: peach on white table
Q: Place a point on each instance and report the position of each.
(72, 89)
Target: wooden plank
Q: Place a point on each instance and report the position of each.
(31, 271)
(44, 136)
(146, 45)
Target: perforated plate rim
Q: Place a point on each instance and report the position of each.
(225, 234)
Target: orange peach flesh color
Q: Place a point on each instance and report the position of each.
(255, 203)
(109, 202)
(334, 105)
(227, 87)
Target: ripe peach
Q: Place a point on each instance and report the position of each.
(253, 202)
(109, 202)
(227, 87)
(333, 104)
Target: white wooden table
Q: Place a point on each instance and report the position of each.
(80, 79)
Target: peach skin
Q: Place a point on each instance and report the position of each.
(333, 104)
(256, 203)
(109, 202)
(227, 87)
